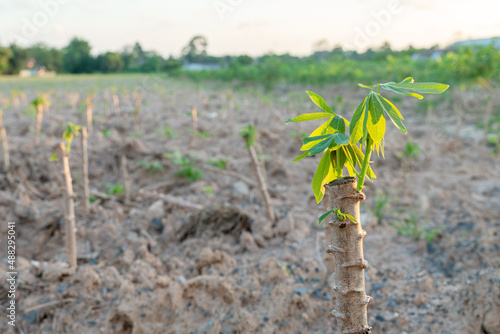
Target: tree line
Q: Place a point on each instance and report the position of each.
(324, 65)
(76, 57)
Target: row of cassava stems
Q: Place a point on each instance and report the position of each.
(41, 105)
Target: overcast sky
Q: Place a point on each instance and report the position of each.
(253, 27)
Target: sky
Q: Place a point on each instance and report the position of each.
(253, 27)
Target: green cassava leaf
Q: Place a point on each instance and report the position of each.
(391, 110)
(365, 86)
(340, 138)
(309, 117)
(320, 102)
(365, 120)
(409, 79)
(324, 174)
(422, 87)
(324, 216)
(389, 87)
(300, 157)
(351, 218)
(322, 145)
(54, 157)
(306, 140)
(338, 123)
(356, 127)
(376, 121)
(320, 130)
(340, 161)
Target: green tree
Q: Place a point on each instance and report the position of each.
(172, 64)
(5, 55)
(51, 58)
(244, 60)
(110, 62)
(17, 60)
(196, 49)
(77, 58)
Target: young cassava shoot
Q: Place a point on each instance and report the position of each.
(352, 152)
(39, 104)
(62, 155)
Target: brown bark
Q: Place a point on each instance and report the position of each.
(85, 168)
(137, 110)
(69, 208)
(116, 103)
(262, 184)
(89, 117)
(347, 249)
(194, 113)
(38, 125)
(5, 148)
(126, 179)
(5, 144)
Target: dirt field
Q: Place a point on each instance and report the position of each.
(135, 275)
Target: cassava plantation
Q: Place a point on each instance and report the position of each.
(249, 167)
(179, 236)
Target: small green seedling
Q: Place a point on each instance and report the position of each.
(208, 190)
(39, 103)
(411, 227)
(219, 163)
(114, 189)
(340, 216)
(203, 134)
(410, 150)
(151, 167)
(381, 200)
(169, 133)
(188, 169)
(106, 133)
(249, 134)
(70, 131)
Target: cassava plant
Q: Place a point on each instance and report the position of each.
(85, 171)
(5, 144)
(250, 134)
(136, 112)
(90, 107)
(39, 104)
(352, 152)
(62, 155)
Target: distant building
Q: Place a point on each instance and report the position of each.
(432, 54)
(474, 43)
(39, 71)
(32, 70)
(495, 41)
(200, 67)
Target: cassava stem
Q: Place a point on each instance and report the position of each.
(262, 183)
(5, 144)
(137, 118)
(347, 250)
(194, 114)
(126, 179)
(85, 168)
(38, 125)
(116, 103)
(69, 208)
(89, 115)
